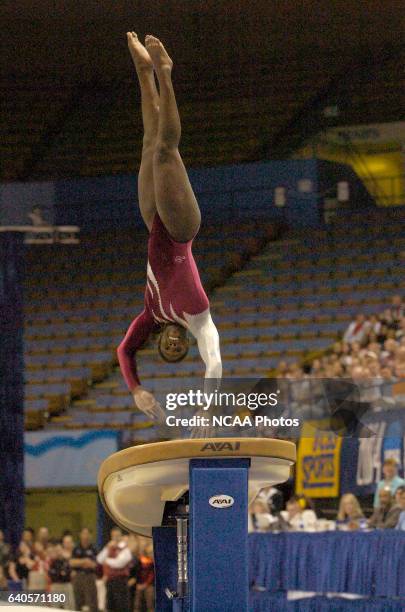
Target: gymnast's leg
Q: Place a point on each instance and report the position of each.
(175, 199)
(150, 118)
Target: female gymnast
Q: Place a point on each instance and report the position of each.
(175, 300)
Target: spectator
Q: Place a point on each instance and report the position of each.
(145, 592)
(399, 367)
(43, 537)
(282, 369)
(4, 551)
(260, 518)
(357, 330)
(28, 537)
(387, 318)
(388, 352)
(350, 512)
(36, 216)
(400, 499)
(22, 564)
(397, 310)
(116, 559)
(391, 480)
(401, 329)
(67, 546)
(60, 574)
(316, 369)
(375, 324)
(273, 498)
(374, 363)
(3, 579)
(386, 374)
(387, 514)
(134, 547)
(383, 333)
(298, 515)
(345, 357)
(38, 574)
(84, 564)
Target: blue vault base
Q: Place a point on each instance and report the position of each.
(218, 542)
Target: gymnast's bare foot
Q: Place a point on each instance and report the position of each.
(160, 58)
(139, 54)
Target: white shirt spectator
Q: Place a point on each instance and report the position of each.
(357, 330)
(119, 561)
(303, 521)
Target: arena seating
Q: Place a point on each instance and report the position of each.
(292, 298)
(27, 116)
(78, 313)
(97, 129)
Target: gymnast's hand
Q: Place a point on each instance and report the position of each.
(147, 403)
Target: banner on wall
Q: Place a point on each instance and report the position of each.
(373, 132)
(330, 465)
(66, 459)
(318, 461)
(362, 458)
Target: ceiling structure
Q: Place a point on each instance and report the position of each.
(86, 40)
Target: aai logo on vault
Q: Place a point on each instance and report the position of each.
(221, 501)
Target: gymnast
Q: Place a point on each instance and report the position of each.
(175, 300)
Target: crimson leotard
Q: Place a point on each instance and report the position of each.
(173, 294)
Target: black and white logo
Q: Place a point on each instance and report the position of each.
(221, 501)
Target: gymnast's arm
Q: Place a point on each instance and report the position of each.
(137, 334)
(203, 329)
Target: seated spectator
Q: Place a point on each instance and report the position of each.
(260, 518)
(282, 369)
(59, 573)
(316, 368)
(398, 493)
(84, 564)
(145, 592)
(387, 374)
(387, 318)
(388, 352)
(387, 514)
(397, 310)
(391, 480)
(400, 333)
(116, 559)
(372, 360)
(399, 365)
(273, 498)
(400, 500)
(375, 324)
(383, 333)
(344, 356)
(357, 330)
(299, 515)
(350, 512)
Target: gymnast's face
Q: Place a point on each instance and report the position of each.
(173, 343)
